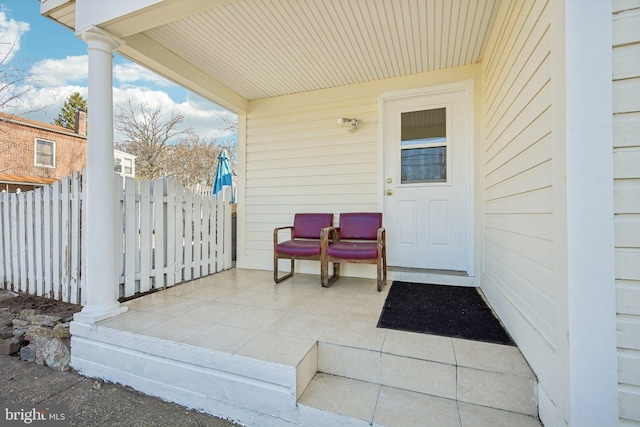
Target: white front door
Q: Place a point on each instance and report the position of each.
(427, 151)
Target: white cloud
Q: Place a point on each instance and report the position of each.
(43, 103)
(10, 33)
(132, 73)
(60, 72)
(56, 79)
(55, 72)
(205, 118)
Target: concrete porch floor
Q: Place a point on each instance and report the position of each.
(241, 347)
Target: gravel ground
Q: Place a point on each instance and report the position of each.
(92, 403)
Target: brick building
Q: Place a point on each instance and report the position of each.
(33, 154)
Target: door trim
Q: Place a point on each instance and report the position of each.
(467, 87)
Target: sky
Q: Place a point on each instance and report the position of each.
(57, 60)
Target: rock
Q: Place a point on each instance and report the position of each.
(6, 332)
(57, 354)
(27, 314)
(19, 323)
(7, 295)
(61, 330)
(37, 330)
(19, 333)
(6, 321)
(28, 354)
(9, 346)
(38, 343)
(45, 320)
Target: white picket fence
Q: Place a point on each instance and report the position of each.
(169, 235)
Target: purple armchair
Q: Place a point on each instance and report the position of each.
(360, 238)
(304, 243)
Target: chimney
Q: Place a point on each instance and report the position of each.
(81, 122)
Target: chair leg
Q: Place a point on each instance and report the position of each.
(325, 280)
(275, 271)
(382, 273)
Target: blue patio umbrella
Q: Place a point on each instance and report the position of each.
(223, 176)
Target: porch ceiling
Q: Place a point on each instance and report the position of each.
(260, 49)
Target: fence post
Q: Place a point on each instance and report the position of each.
(22, 237)
(39, 242)
(206, 232)
(46, 250)
(180, 227)
(65, 235)
(4, 227)
(130, 236)
(197, 237)
(170, 220)
(159, 231)
(14, 276)
(76, 243)
(30, 243)
(146, 235)
(188, 234)
(119, 213)
(56, 237)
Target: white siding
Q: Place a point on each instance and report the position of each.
(520, 269)
(298, 159)
(626, 127)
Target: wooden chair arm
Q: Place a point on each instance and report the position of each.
(326, 234)
(277, 230)
(330, 233)
(382, 242)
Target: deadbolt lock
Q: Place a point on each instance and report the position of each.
(389, 180)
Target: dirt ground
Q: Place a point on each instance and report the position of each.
(43, 305)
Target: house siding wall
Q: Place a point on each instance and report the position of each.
(626, 139)
(298, 159)
(522, 274)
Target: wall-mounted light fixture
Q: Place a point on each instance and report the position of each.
(353, 123)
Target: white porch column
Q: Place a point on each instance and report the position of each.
(101, 281)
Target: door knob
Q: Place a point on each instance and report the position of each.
(389, 192)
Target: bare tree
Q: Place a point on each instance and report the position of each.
(14, 80)
(162, 149)
(193, 160)
(16, 83)
(150, 137)
(230, 125)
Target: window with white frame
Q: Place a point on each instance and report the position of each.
(127, 166)
(124, 163)
(45, 153)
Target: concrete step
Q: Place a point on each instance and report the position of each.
(336, 400)
(489, 375)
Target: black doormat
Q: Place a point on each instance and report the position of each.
(450, 311)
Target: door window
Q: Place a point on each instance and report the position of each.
(423, 146)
